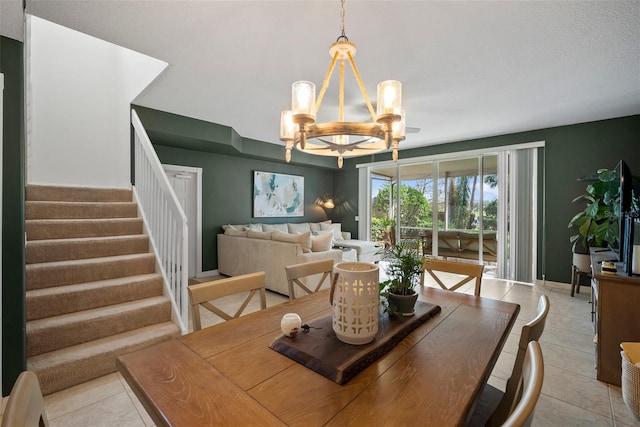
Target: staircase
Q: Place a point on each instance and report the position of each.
(92, 290)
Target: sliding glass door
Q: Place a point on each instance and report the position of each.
(445, 208)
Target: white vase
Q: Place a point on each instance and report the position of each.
(355, 300)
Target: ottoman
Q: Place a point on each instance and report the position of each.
(366, 251)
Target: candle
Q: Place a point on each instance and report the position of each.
(290, 324)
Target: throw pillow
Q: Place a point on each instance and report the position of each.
(255, 227)
(321, 242)
(317, 233)
(274, 227)
(259, 235)
(336, 228)
(304, 239)
(235, 227)
(233, 232)
(298, 228)
(315, 226)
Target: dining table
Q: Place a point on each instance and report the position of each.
(227, 374)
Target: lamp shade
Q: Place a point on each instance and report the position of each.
(287, 127)
(389, 97)
(399, 128)
(303, 98)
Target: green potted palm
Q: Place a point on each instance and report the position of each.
(403, 269)
(597, 224)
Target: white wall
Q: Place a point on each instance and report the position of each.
(80, 91)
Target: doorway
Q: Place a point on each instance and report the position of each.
(186, 182)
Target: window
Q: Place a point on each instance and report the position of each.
(458, 206)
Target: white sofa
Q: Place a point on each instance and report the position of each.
(248, 248)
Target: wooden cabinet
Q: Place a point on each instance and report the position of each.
(617, 304)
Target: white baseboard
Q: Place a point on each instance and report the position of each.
(208, 273)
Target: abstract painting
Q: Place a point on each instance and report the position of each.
(276, 194)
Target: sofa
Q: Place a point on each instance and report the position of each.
(248, 248)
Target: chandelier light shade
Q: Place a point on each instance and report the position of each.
(303, 101)
(299, 130)
(389, 97)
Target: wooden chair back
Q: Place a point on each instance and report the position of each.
(532, 331)
(203, 294)
(469, 270)
(25, 406)
(298, 272)
(530, 386)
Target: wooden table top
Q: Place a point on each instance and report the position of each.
(227, 374)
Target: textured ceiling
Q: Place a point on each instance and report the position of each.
(469, 68)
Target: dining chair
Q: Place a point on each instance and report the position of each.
(300, 275)
(495, 406)
(471, 271)
(530, 388)
(25, 406)
(203, 294)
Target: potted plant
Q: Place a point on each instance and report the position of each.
(597, 223)
(403, 269)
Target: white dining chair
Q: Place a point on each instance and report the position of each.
(494, 406)
(469, 272)
(302, 276)
(25, 406)
(529, 388)
(205, 294)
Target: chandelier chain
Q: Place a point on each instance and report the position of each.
(384, 132)
(342, 34)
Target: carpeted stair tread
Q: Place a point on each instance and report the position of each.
(80, 210)
(47, 302)
(66, 330)
(59, 273)
(67, 367)
(77, 194)
(39, 251)
(41, 229)
(93, 292)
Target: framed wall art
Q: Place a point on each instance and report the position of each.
(277, 195)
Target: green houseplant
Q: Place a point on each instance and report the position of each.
(403, 269)
(597, 223)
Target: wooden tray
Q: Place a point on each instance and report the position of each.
(321, 351)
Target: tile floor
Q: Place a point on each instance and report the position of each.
(571, 396)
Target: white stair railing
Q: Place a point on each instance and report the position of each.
(164, 218)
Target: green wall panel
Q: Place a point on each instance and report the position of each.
(13, 257)
(227, 185)
(570, 152)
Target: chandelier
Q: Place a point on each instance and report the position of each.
(298, 127)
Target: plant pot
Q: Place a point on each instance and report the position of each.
(582, 262)
(402, 304)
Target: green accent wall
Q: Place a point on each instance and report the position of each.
(13, 250)
(227, 173)
(570, 152)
